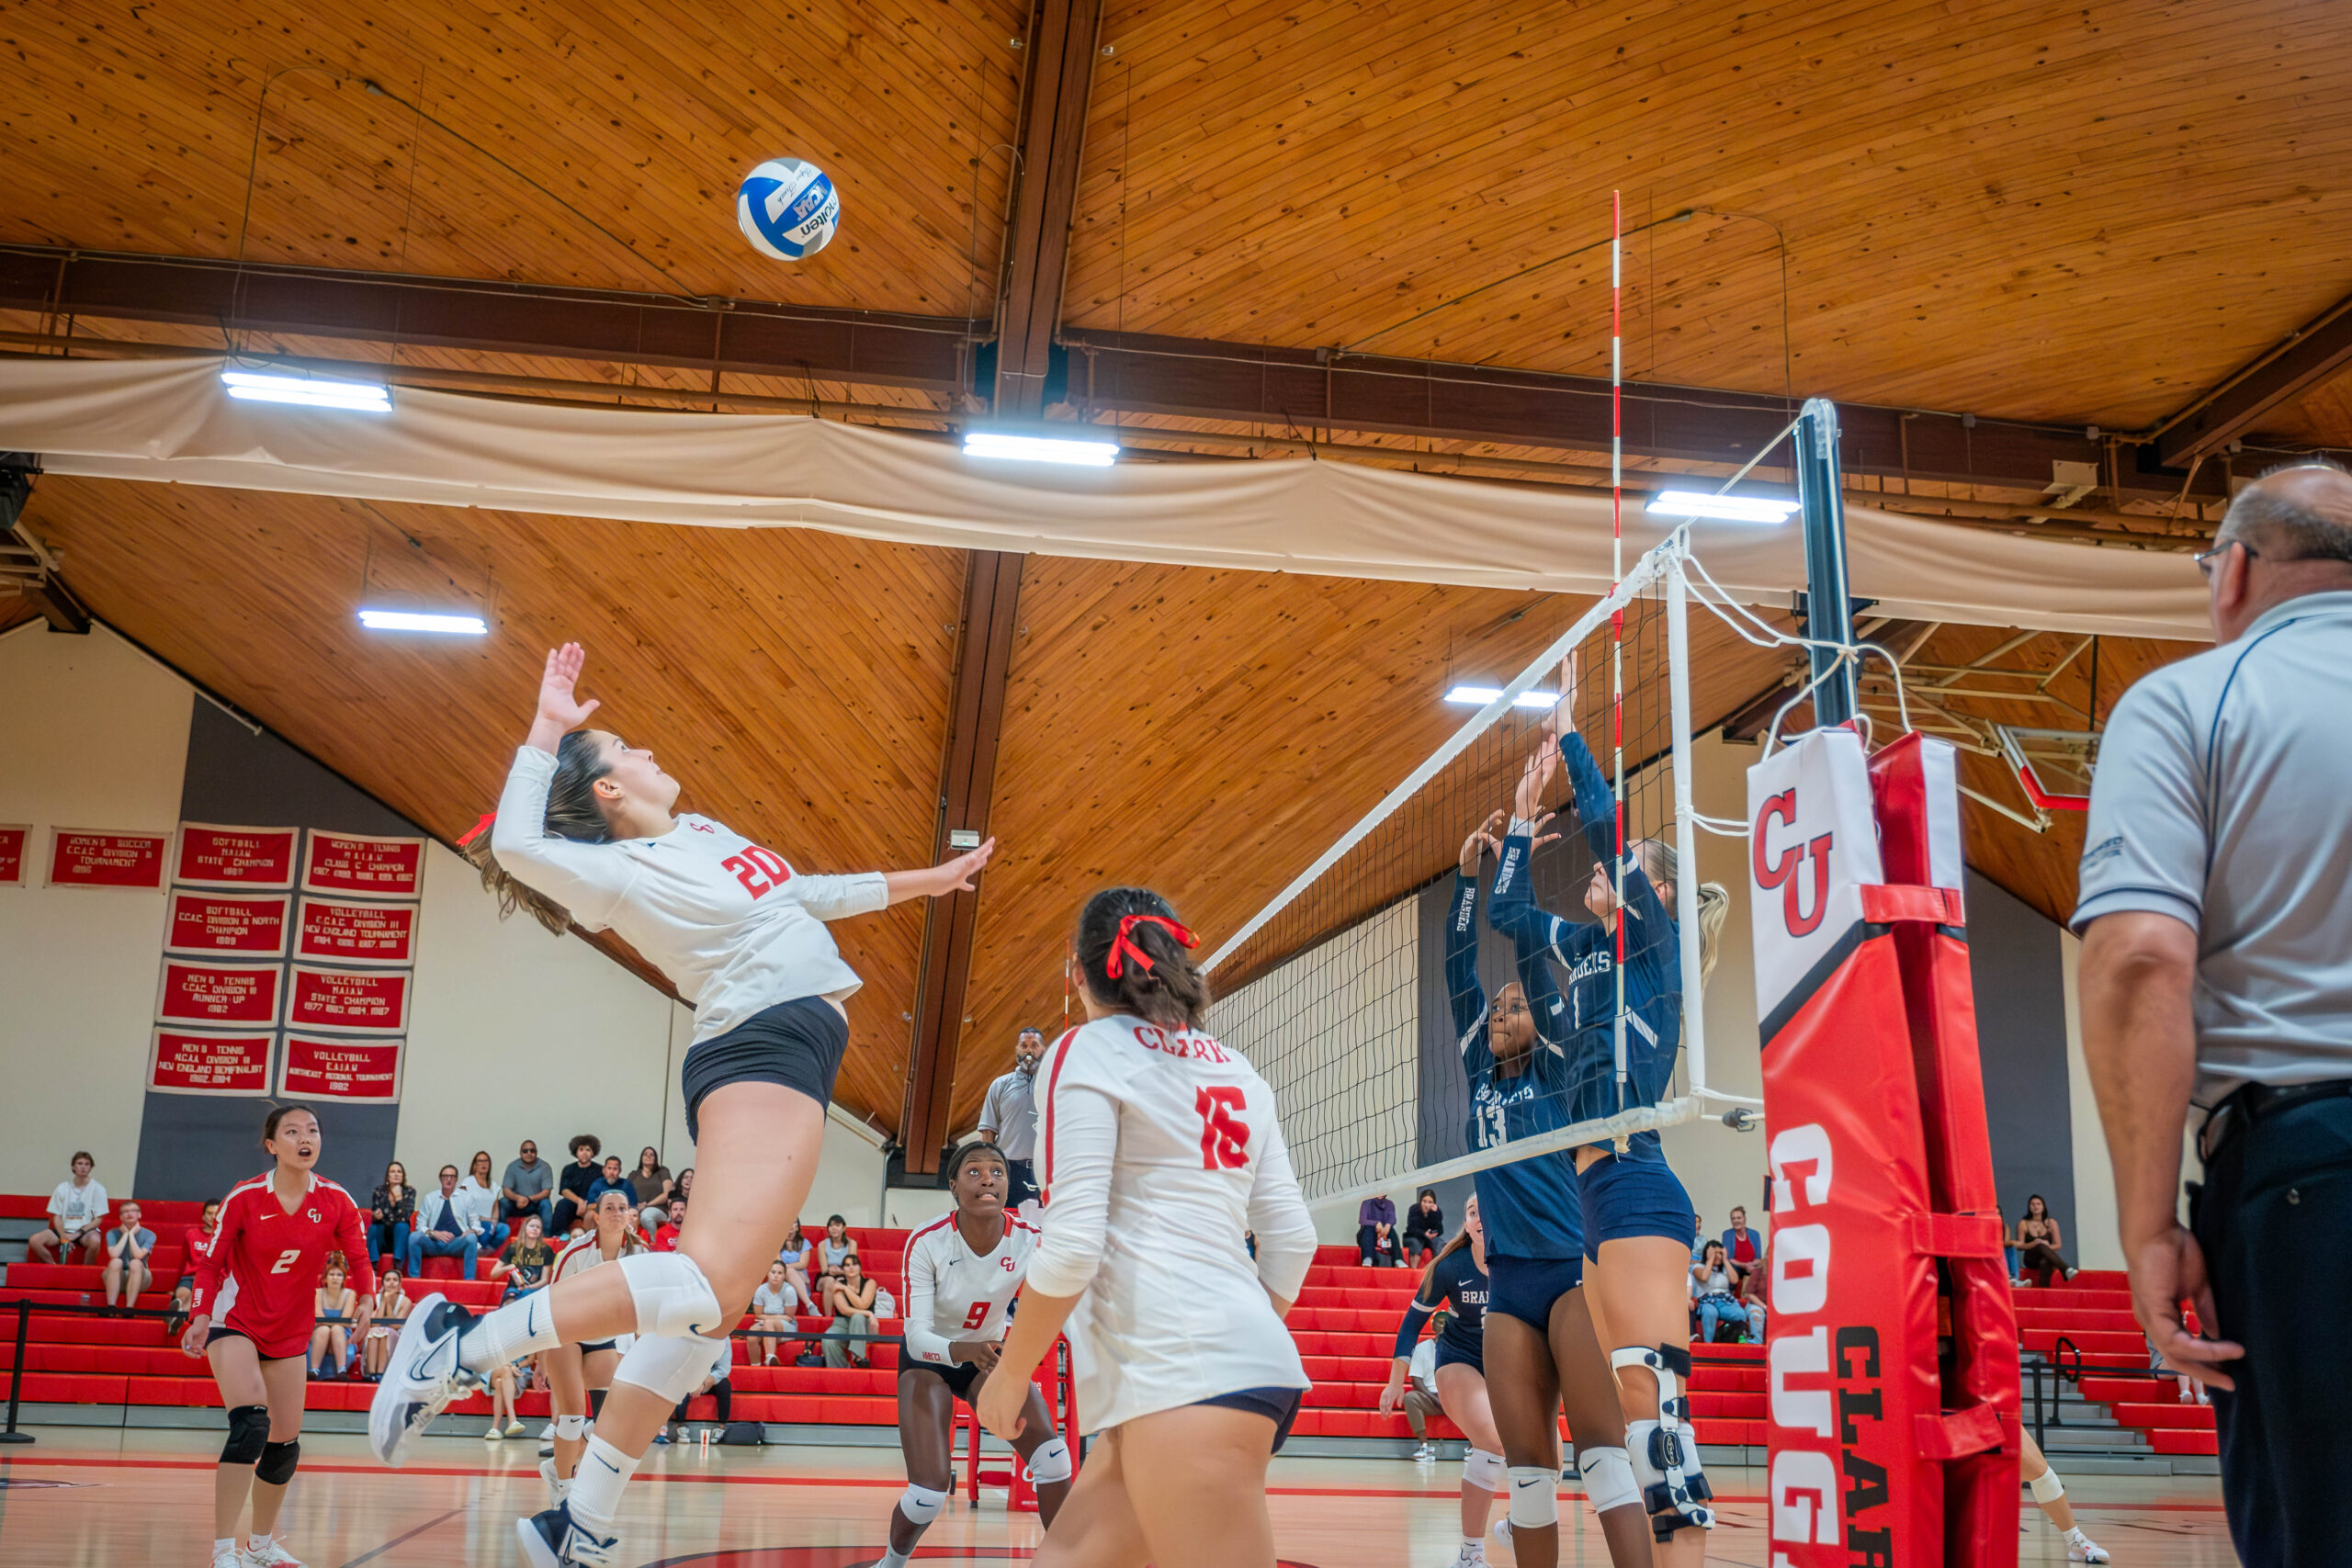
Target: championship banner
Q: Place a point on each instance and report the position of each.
(213, 856)
(220, 994)
(12, 854)
(1859, 1434)
(371, 868)
(357, 1000)
(350, 1071)
(182, 1062)
(357, 934)
(203, 923)
(84, 857)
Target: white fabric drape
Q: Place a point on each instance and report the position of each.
(172, 420)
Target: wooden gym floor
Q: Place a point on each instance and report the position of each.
(93, 1499)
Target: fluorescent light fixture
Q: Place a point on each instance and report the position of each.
(1093, 454)
(1730, 508)
(410, 621)
(1479, 696)
(307, 391)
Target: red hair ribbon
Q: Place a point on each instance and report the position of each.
(478, 828)
(1125, 943)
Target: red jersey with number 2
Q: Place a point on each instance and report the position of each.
(260, 1276)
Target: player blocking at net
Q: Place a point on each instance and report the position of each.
(963, 1271)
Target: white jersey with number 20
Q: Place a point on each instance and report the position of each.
(956, 1293)
(1159, 1147)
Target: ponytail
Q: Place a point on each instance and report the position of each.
(572, 813)
(1133, 950)
(1662, 865)
(1461, 1239)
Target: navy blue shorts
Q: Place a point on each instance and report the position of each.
(1452, 1356)
(1279, 1406)
(1526, 1287)
(796, 1044)
(1627, 1198)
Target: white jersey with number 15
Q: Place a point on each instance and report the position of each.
(1159, 1147)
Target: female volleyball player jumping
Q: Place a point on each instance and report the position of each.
(1160, 1148)
(1638, 1220)
(577, 1372)
(1456, 1281)
(256, 1283)
(1540, 1341)
(962, 1271)
(585, 831)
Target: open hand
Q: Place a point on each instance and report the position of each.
(1483, 840)
(1392, 1395)
(1000, 1406)
(558, 704)
(958, 876)
(1527, 803)
(1563, 712)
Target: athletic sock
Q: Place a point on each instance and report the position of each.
(595, 1492)
(522, 1327)
(255, 1542)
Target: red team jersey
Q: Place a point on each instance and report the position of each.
(261, 1274)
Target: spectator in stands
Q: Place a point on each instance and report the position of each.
(1754, 1286)
(612, 1180)
(507, 1380)
(330, 1340)
(523, 1188)
(834, 1254)
(478, 1206)
(77, 1217)
(666, 1238)
(582, 1174)
(853, 1312)
(717, 1386)
(772, 1304)
(1376, 1241)
(1424, 1228)
(441, 1229)
(650, 1181)
(1710, 1293)
(798, 1256)
(392, 1214)
(128, 1247)
(524, 1265)
(1743, 1248)
(682, 1191)
(193, 1240)
(2038, 1241)
(391, 1307)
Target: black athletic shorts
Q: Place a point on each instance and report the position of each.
(959, 1376)
(797, 1044)
(586, 1345)
(1279, 1406)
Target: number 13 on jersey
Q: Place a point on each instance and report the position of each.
(1225, 1136)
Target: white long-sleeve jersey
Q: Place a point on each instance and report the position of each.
(956, 1293)
(1160, 1146)
(735, 929)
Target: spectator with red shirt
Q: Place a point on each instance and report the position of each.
(1743, 1248)
(254, 1301)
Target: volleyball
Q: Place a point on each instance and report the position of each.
(787, 208)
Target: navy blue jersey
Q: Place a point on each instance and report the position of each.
(1529, 1207)
(1457, 1283)
(1584, 1014)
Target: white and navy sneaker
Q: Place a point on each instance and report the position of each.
(1425, 1454)
(557, 1486)
(555, 1539)
(1472, 1555)
(421, 1379)
(2081, 1548)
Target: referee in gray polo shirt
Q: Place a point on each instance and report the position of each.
(2216, 918)
(1009, 1117)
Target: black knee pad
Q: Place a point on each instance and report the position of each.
(248, 1434)
(277, 1460)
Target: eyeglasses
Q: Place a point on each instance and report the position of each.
(2204, 558)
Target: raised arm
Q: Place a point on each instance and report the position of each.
(1461, 988)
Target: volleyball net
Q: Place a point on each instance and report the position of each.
(1338, 989)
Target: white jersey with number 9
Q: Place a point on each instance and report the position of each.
(956, 1293)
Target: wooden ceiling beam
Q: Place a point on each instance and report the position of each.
(1053, 136)
(2232, 410)
(966, 786)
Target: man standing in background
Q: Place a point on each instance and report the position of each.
(2216, 918)
(1009, 1117)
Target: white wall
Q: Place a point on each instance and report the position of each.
(2095, 1243)
(93, 734)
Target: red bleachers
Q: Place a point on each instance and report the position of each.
(2092, 1312)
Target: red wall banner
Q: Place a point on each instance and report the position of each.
(217, 923)
(12, 854)
(359, 1000)
(184, 1062)
(85, 857)
(221, 995)
(214, 856)
(341, 1069)
(357, 934)
(375, 868)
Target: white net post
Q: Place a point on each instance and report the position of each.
(1686, 837)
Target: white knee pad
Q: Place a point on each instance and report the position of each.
(671, 1295)
(671, 1368)
(2047, 1488)
(1482, 1470)
(920, 1504)
(1608, 1478)
(1050, 1462)
(572, 1429)
(1663, 1453)
(1534, 1497)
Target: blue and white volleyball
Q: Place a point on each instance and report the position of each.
(787, 208)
